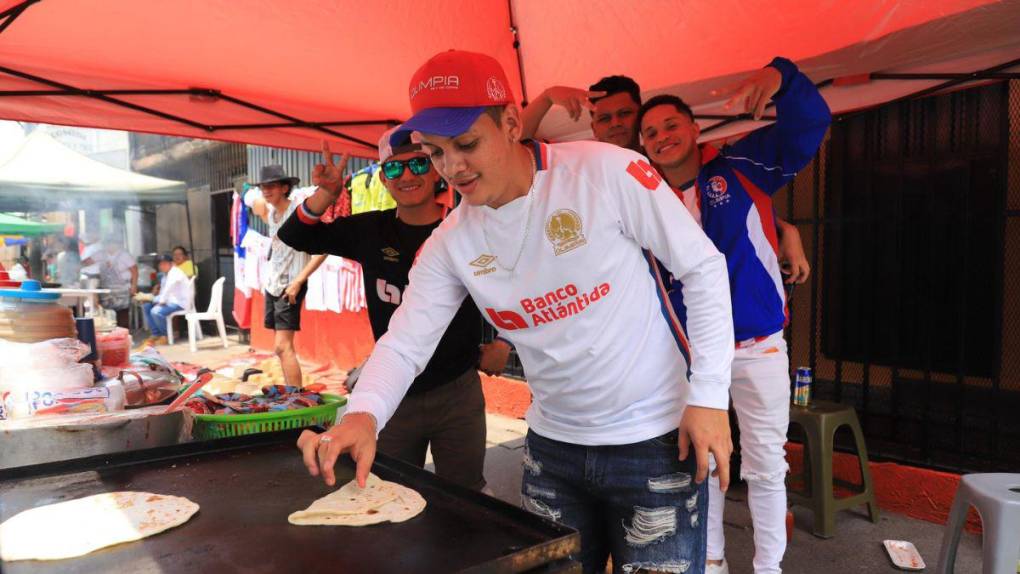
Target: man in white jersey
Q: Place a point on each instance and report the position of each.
(551, 242)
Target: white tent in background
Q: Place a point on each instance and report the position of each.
(43, 174)
(11, 138)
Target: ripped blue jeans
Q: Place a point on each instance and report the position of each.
(636, 502)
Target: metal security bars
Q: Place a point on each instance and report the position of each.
(909, 217)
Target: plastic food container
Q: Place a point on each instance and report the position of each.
(114, 347)
(30, 315)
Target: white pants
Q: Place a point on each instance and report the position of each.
(760, 390)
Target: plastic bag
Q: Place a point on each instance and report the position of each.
(59, 402)
(58, 378)
(45, 354)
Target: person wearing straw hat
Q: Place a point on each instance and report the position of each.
(285, 283)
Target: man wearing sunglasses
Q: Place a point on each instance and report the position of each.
(444, 407)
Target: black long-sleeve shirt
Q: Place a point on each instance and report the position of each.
(386, 247)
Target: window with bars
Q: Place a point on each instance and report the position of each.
(909, 216)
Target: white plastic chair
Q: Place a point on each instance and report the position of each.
(213, 313)
(182, 313)
(996, 497)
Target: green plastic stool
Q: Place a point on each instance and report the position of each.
(820, 420)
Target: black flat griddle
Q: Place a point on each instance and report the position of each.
(247, 486)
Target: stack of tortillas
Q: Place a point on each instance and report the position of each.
(78, 527)
(351, 505)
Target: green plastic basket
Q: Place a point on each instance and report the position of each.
(222, 426)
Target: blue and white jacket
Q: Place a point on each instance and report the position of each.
(735, 187)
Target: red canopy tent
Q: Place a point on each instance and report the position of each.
(288, 74)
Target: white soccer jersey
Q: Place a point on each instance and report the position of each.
(606, 361)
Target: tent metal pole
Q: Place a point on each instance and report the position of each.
(191, 241)
(11, 14)
(17, 8)
(747, 116)
(87, 93)
(68, 90)
(962, 79)
(107, 99)
(517, 51)
(944, 76)
(300, 122)
(953, 79)
(219, 127)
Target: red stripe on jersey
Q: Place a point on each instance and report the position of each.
(674, 322)
(708, 153)
(764, 204)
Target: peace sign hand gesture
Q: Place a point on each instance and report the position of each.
(574, 100)
(752, 95)
(329, 176)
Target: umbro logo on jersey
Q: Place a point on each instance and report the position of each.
(391, 254)
(484, 261)
(646, 175)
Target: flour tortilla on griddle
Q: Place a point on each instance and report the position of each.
(380, 501)
(78, 527)
(349, 499)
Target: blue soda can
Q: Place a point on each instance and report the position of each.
(802, 387)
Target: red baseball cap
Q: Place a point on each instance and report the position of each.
(450, 91)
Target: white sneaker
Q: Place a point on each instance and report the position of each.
(723, 568)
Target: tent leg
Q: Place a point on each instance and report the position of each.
(191, 240)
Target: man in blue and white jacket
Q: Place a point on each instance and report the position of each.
(729, 191)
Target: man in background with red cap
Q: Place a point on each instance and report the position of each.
(444, 408)
(549, 243)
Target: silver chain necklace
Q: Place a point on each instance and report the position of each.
(527, 222)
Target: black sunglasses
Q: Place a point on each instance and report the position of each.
(419, 165)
